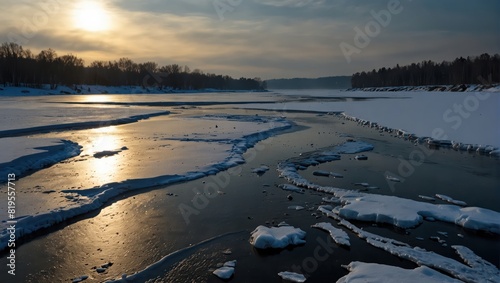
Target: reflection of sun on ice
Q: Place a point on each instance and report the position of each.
(91, 16)
(105, 149)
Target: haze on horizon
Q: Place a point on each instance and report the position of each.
(255, 38)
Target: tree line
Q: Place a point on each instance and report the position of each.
(20, 67)
(483, 69)
(338, 82)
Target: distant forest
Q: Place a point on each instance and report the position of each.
(20, 67)
(319, 83)
(471, 70)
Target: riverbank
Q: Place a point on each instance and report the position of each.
(434, 88)
(98, 89)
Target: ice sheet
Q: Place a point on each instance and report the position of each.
(360, 272)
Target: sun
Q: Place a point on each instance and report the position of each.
(91, 16)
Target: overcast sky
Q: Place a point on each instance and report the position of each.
(257, 38)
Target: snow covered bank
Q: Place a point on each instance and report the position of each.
(466, 117)
(451, 88)
(50, 155)
(98, 89)
(94, 198)
(430, 141)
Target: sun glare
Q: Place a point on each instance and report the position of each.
(91, 16)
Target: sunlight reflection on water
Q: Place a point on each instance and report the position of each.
(105, 148)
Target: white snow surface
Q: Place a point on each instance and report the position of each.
(468, 117)
(406, 213)
(22, 160)
(338, 235)
(360, 272)
(276, 237)
(292, 276)
(224, 272)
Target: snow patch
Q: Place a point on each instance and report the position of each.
(360, 272)
(261, 170)
(276, 237)
(451, 200)
(338, 235)
(292, 276)
(51, 155)
(226, 271)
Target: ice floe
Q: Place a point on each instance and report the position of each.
(295, 207)
(260, 170)
(406, 213)
(292, 188)
(427, 198)
(477, 270)
(226, 271)
(292, 276)
(338, 235)
(360, 272)
(276, 237)
(451, 200)
(80, 279)
(393, 179)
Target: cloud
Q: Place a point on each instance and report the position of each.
(267, 38)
